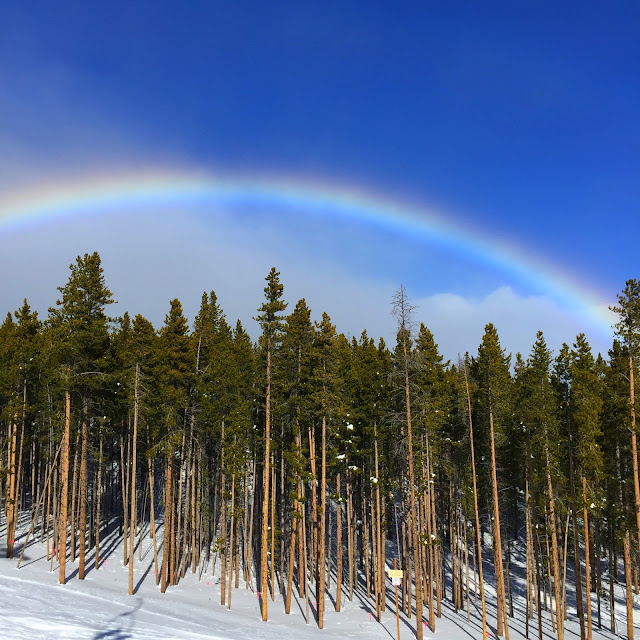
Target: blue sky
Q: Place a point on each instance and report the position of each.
(517, 121)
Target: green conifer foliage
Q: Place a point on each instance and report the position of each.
(271, 323)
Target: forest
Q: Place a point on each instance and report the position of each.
(312, 462)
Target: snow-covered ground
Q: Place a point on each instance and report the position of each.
(34, 606)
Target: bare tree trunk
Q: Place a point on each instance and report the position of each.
(282, 513)
(612, 570)
(98, 497)
(40, 501)
(11, 497)
(378, 524)
(529, 572)
(64, 464)
(152, 509)
(273, 528)
(250, 540)
(502, 609)
(536, 555)
(232, 524)
(167, 527)
(478, 560)
(175, 556)
(292, 553)
(323, 511)
(338, 544)
(628, 584)
(576, 548)
(303, 579)
(587, 559)
(412, 496)
(350, 535)
(223, 526)
(314, 507)
(133, 490)
(83, 490)
(634, 445)
(75, 484)
(265, 492)
(554, 546)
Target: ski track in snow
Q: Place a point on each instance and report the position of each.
(35, 606)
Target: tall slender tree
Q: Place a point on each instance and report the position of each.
(493, 406)
(271, 323)
(81, 333)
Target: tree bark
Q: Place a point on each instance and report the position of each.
(264, 580)
(167, 527)
(502, 610)
(83, 490)
(587, 563)
(554, 547)
(133, 490)
(98, 502)
(323, 511)
(64, 464)
(475, 506)
(634, 446)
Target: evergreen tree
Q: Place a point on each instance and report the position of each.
(585, 414)
(80, 330)
(176, 378)
(493, 413)
(628, 328)
(271, 323)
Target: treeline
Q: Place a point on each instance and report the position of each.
(290, 464)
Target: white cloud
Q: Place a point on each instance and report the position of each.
(458, 322)
(150, 258)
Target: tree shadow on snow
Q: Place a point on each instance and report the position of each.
(120, 627)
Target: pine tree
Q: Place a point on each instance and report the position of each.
(297, 365)
(403, 312)
(81, 333)
(433, 406)
(176, 376)
(271, 324)
(585, 414)
(628, 328)
(493, 406)
(326, 406)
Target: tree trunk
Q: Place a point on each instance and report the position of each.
(587, 563)
(554, 546)
(265, 492)
(223, 526)
(10, 498)
(83, 490)
(64, 464)
(612, 606)
(98, 502)
(272, 528)
(412, 496)
(231, 542)
(502, 610)
(628, 584)
(133, 490)
(167, 527)
(175, 557)
(323, 511)
(576, 548)
(634, 446)
(152, 519)
(292, 552)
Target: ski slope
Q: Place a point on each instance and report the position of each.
(35, 606)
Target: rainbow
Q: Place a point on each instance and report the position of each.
(92, 196)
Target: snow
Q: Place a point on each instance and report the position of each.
(35, 606)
